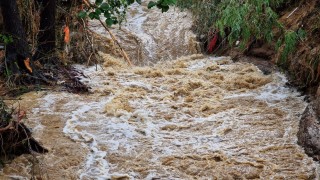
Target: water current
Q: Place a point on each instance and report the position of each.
(180, 116)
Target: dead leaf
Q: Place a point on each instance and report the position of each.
(21, 115)
(27, 64)
(66, 31)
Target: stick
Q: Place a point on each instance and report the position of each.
(7, 127)
(292, 12)
(124, 54)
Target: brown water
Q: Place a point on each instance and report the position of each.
(150, 36)
(195, 117)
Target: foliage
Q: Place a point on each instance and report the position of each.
(289, 42)
(242, 20)
(247, 19)
(236, 19)
(205, 13)
(115, 10)
(6, 39)
(162, 4)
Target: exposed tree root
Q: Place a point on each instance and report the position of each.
(72, 82)
(15, 137)
(52, 76)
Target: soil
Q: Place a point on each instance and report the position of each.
(303, 65)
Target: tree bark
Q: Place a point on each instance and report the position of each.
(47, 33)
(18, 50)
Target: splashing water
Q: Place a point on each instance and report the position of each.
(150, 36)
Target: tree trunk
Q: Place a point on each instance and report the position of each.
(18, 50)
(47, 34)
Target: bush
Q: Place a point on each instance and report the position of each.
(241, 20)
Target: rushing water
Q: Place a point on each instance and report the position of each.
(195, 117)
(150, 36)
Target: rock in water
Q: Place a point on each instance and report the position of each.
(309, 131)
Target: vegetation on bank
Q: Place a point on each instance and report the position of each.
(242, 21)
(240, 24)
(38, 35)
(245, 24)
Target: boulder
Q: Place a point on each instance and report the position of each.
(309, 129)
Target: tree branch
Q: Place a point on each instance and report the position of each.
(124, 54)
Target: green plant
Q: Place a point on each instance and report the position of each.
(162, 4)
(6, 39)
(115, 10)
(244, 21)
(289, 43)
(205, 13)
(235, 19)
(250, 18)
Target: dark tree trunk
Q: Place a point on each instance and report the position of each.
(47, 34)
(18, 50)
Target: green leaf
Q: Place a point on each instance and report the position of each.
(152, 4)
(82, 14)
(164, 8)
(98, 11)
(93, 15)
(107, 14)
(109, 22)
(301, 33)
(169, 2)
(130, 1)
(105, 7)
(98, 2)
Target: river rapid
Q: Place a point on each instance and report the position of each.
(176, 115)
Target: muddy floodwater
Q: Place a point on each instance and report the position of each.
(190, 117)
